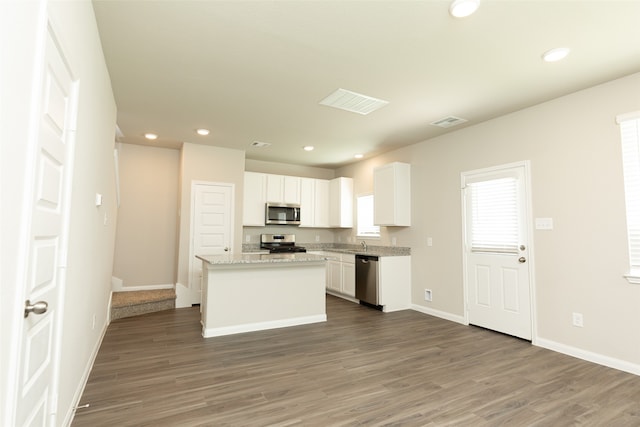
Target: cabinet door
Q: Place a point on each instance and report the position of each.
(291, 189)
(341, 202)
(334, 276)
(321, 217)
(275, 188)
(253, 199)
(392, 194)
(349, 279)
(307, 202)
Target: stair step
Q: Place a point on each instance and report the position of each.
(134, 303)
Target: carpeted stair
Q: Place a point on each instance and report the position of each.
(133, 303)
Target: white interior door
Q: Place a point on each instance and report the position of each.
(46, 250)
(211, 230)
(496, 255)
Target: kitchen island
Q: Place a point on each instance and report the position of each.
(253, 292)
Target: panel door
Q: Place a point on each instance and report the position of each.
(496, 212)
(211, 228)
(48, 236)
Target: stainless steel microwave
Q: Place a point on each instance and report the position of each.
(280, 213)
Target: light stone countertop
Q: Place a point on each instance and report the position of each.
(261, 258)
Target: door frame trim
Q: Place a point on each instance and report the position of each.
(526, 165)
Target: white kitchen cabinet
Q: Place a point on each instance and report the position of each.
(254, 199)
(283, 189)
(394, 283)
(314, 202)
(348, 272)
(341, 202)
(392, 195)
(341, 274)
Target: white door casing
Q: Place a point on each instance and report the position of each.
(47, 212)
(499, 283)
(211, 228)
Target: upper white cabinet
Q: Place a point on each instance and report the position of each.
(283, 189)
(314, 202)
(254, 199)
(341, 202)
(392, 194)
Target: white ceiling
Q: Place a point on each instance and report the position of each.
(257, 70)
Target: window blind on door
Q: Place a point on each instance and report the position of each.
(630, 135)
(494, 215)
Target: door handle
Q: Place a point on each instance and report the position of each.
(226, 249)
(39, 307)
(522, 260)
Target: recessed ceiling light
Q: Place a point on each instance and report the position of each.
(151, 136)
(556, 54)
(308, 147)
(202, 131)
(463, 8)
(358, 156)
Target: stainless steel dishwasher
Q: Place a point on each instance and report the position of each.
(367, 279)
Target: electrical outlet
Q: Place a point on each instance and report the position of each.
(428, 295)
(247, 238)
(317, 238)
(577, 320)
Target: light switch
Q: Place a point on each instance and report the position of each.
(544, 223)
(98, 199)
(429, 241)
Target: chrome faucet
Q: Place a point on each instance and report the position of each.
(364, 245)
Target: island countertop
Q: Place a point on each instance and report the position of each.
(258, 258)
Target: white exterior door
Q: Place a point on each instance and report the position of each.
(496, 249)
(46, 230)
(211, 228)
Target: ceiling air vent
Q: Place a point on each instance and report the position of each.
(260, 144)
(448, 122)
(352, 101)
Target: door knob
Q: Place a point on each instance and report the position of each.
(522, 260)
(226, 249)
(39, 307)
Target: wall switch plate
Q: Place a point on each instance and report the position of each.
(247, 238)
(429, 241)
(544, 223)
(577, 320)
(394, 241)
(428, 295)
(317, 238)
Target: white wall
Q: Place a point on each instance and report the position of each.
(91, 243)
(147, 218)
(212, 164)
(90, 256)
(574, 146)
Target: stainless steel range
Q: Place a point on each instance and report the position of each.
(280, 243)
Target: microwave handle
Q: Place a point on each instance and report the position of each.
(297, 210)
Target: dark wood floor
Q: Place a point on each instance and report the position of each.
(361, 367)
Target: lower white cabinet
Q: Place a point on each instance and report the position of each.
(341, 273)
(394, 283)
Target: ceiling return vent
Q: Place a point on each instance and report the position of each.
(260, 144)
(448, 122)
(352, 101)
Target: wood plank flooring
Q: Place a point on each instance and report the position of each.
(361, 367)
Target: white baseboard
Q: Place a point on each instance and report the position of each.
(579, 353)
(68, 419)
(261, 326)
(440, 314)
(117, 285)
(183, 296)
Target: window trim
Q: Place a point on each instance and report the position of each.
(358, 233)
(633, 245)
